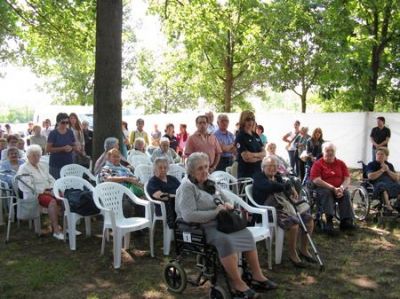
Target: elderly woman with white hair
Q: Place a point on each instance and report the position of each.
(268, 189)
(332, 179)
(40, 180)
(165, 151)
(195, 203)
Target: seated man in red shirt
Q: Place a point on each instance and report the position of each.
(331, 177)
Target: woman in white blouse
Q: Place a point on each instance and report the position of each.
(40, 180)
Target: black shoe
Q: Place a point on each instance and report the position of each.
(328, 229)
(299, 265)
(309, 259)
(248, 294)
(347, 224)
(262, 286)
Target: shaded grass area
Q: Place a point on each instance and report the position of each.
(364, 264)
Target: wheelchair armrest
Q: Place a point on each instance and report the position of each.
(189, 227)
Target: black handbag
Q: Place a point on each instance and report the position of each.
(230, 221)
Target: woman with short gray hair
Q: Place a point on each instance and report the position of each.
(195, 203)
(163, 187)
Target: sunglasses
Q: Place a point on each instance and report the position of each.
(64, 122)
(250, 119)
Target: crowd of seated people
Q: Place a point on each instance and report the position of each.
(211, 147)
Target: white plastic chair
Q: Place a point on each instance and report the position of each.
(71, 218)
(177, 171)
(229, 182)
(108, 198)
(144, 173)
(277, 232)
(76, 170)
(18, 202)
(260, 232)
(167, 232)
(5, 195)
(136, 160)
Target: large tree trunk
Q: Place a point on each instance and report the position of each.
(107, 88)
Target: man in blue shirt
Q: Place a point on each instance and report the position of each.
(226, 140)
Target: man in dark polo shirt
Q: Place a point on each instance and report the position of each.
(380, 136)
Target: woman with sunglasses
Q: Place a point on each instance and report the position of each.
(60, 144)
(250, 149)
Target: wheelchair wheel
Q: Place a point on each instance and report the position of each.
(218, 292)
(175, 277)
(360, 201)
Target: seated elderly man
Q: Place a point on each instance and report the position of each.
(332, 178)
(166, 152)
(139, 147)
(384, 178)
(270, 189)
(40, 179)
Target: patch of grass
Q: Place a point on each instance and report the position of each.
(361, 265)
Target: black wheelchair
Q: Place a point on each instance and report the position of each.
(190, 239)
(364, 201)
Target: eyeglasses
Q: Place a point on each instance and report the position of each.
(250, 119)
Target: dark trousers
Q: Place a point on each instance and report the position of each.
(326, 203)
(292, 160)
(224, 162)
(301, 169)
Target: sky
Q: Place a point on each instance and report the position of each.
(20, 87)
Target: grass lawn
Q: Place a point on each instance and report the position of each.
(365, 264)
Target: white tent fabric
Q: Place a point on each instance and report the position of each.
(348, 131)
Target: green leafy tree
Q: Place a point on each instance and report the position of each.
(374, 59)
(305, 42)
(167, 88)
(58, 42)
(223, 44)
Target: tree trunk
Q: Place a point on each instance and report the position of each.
(228, 83)
(369, 104)
(303, 102)
(107, 87)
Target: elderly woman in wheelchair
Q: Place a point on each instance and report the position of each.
(195, 203)
(384, 179)
(268, 189)
(332, 178)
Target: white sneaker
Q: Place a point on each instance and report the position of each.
(59, 236)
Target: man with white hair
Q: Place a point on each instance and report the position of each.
(332, 179)
(227, 142)
(165, 151)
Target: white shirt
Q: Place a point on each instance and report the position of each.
(39, 180)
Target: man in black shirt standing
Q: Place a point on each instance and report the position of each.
(380, 136)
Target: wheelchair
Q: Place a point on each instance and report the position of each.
(364, 201)
(190, 239)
